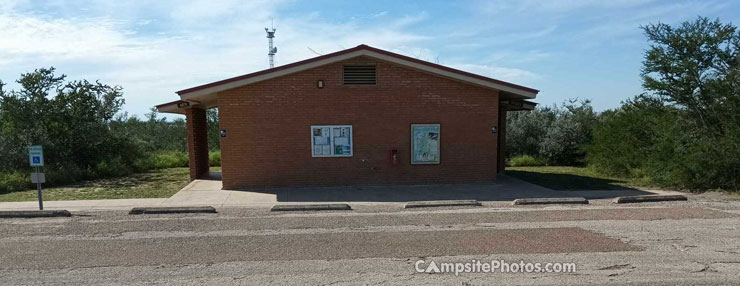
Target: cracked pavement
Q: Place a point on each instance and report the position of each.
(672, 243)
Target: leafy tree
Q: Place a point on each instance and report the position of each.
(214, 134)
(83, 132)
(557, 134)
(696, 66)
(70, 119)
(525, 131)
(623, 138)
(685, 131)
(154, 133)
(566, 139)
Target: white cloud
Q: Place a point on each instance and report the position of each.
(552, 6)
(517, 56)
(202, 10)
(625, 28)
(61, 39)
(296, 35)
(407, 20)
(177, 45)
(513, 75)
(379, 14)
(7, 6)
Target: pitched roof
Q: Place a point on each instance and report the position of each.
(360, 50)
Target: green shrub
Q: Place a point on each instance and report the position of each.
(83, 134)
(525, 160)
(169, 159)
(161, 160)
(144, 163)
(19, 180)
(56, 176)
(624, 138)
(644, 138)
(558, 134)
(112, 167)
(14, 181)
(525, 130)
(215, 158)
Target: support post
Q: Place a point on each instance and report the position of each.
(38, 188)
(197, 135)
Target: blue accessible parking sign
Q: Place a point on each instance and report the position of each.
(36, 156)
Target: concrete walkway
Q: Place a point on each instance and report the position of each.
(82, 205)
(209, 192)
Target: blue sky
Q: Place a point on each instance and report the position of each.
(566, 49)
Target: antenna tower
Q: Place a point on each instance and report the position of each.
(271, 49)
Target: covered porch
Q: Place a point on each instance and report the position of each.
(507, 103)
(196, 133)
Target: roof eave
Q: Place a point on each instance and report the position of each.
(362, 50)
(518, 105)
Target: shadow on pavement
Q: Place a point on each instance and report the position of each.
(503, 189)
(562, 182)
(212, 176)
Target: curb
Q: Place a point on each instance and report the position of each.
(36, 213)
(172, 210)
(550, 201)
(311, 207)
(449, 203)
(649, 198)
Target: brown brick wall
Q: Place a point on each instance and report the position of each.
(502, 139)
(268, 126)
(197, 128)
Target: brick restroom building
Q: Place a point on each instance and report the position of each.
(354, 117)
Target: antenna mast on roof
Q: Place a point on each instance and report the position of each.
(271, 50)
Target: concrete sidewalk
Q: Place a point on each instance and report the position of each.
(197, 193)
(83, 205)
(209, 193)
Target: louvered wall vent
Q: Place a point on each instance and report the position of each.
(363, 75)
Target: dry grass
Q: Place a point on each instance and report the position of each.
(161, 183)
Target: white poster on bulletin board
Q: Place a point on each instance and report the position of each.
(425, 144)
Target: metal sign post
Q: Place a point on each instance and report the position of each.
(36, 158)
(38, 188)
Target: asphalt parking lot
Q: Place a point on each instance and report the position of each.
(693, 242)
